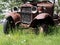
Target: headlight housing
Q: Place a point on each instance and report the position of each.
(34, 9)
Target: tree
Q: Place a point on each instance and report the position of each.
(59, 2)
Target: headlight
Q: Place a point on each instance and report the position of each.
(34, 9)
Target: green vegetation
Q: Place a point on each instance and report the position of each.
(1, 16)
(29, 38)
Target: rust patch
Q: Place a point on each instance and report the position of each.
(16, 17)
(24, 25)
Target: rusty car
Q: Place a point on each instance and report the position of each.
(37, 15)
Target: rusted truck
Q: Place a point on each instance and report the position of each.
(37, 15)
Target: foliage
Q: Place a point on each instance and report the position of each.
(59, 2)
(6, 4)
(13, 3)
(1, 16)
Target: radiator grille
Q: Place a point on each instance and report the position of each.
(26, 18)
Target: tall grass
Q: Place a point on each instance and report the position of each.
(27, 37)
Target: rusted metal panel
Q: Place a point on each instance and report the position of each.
(45, 4)
(27, 5)
(42, 16)
(48, 5)
(16, 16)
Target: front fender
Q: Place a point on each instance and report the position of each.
(15, 16)
(42, 16)
(40, 19)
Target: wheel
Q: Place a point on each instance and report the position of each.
(18, 25)
(43, 28)
(7, 26)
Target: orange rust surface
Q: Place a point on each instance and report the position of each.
(27, 4)
(16, 17)
(24, 25)
(48, 5)
(45, 4)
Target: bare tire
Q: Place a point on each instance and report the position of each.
(43, 28)
(6, 27)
